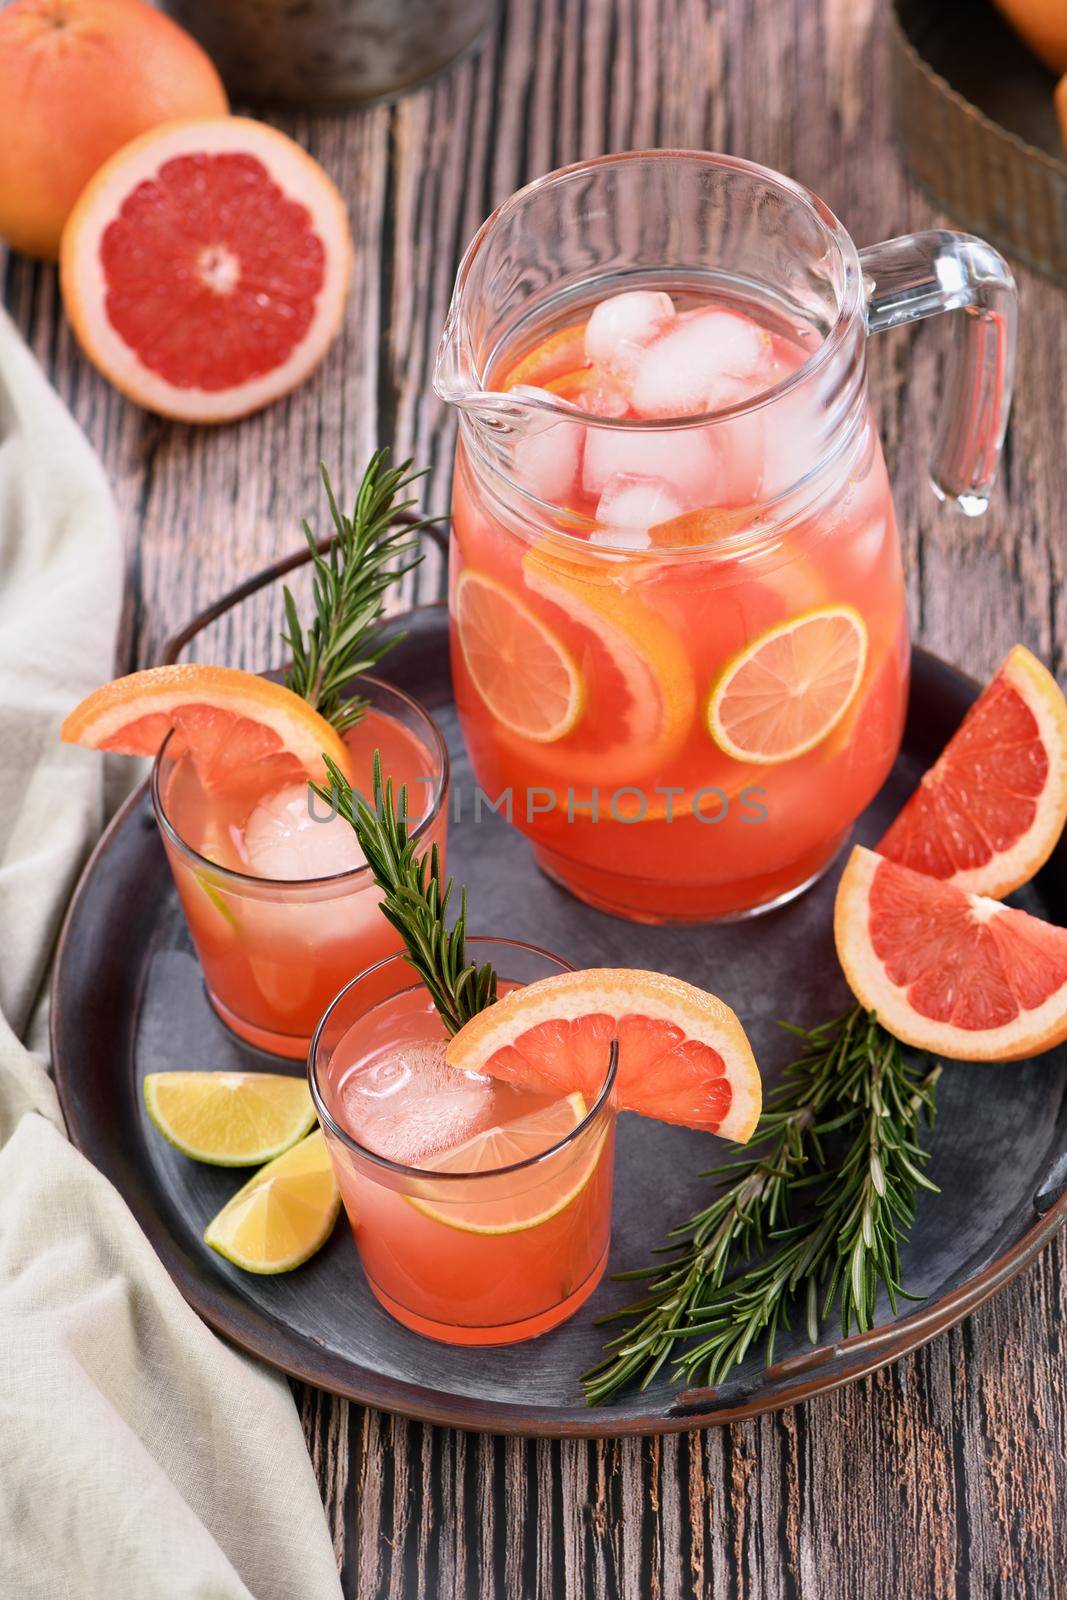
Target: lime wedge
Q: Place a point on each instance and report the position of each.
(283, 1214)
(229, 1119)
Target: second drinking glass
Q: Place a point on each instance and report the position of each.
(280, 906)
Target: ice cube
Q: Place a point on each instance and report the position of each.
(621, 538)
(695, 367)
(622, 326)
(794, 431)
(629, 507)
(606, 399)
(409, 1106)
(741, 446)
(548, 456)
(683, 458)
(285, 839)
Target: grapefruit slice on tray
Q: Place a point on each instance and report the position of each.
(683, 1055)
(989, 811)
(204, 268)
(236, 725)
(954, 973)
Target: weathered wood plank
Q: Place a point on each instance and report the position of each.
(941, 1477)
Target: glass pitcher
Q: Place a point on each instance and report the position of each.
(679, 642)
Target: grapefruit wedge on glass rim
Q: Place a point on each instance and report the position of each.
(990, 810)
(204, 267)
(953, 973)
(238, 728)
(683, 1055)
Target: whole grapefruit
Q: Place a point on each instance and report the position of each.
(1042, 24)
(78, 79)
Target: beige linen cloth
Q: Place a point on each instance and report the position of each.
(140, 1457)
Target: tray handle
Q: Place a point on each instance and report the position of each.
(174, 646)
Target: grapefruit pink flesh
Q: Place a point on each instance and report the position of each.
(954, 973)
(240, 729)
(683, 1055)
(204, 268)
(211, 243)
(990, 810)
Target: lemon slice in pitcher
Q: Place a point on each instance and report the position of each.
(524, 673)
(782, 694)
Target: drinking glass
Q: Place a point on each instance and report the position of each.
(275, 951)
(481, 1257)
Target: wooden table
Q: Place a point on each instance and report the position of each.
(941, 1476)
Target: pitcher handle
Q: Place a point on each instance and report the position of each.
(920, 275)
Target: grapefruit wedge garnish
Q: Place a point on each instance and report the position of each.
(525, 674)
(204, 267)
(238, 728)
(954, 973)
(683, 1055)
(989, 811)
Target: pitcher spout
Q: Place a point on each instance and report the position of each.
(499, 414)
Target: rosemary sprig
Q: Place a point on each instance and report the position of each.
(370, 553)
(415, 901)
(840, 1134)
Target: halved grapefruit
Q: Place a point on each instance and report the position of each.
(989, 811)
(204, 267)
(954, 973)
(238, 728)
(683, 1055)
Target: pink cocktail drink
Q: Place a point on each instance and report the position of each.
(679, 640)
(280, 903)
(481, 1209)
(656, 579)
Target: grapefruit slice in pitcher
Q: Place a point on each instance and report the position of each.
(954, 973)
(989, 811)
(636, 668)
(683, 1055)
(239, 728)
(204, 268)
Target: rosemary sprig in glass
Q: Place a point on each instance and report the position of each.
(415, 901)
(371, 552)
(839, 1134)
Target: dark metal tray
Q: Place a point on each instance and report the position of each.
(128, 999)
